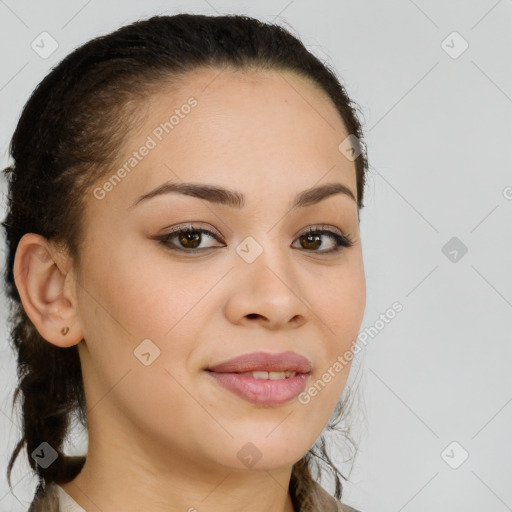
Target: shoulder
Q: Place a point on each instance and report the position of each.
(46, 501)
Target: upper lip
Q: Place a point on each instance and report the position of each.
(264, 361)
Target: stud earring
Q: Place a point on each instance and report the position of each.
(64, 331)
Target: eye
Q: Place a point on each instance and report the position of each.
(188, 239)
(312, 239)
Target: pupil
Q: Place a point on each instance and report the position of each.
(190, 236)
(311, 239)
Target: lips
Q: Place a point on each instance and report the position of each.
(262, 378)
(264, 362)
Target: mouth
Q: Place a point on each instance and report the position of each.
(263, 388)
(262, 378)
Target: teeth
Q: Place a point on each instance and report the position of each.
(270, 375)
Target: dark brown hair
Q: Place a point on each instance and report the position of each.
(70, 132)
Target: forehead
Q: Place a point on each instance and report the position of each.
(238, 129)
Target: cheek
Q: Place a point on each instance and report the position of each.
(141, 292)
(340, 308)
(343, 302)
(123, 301)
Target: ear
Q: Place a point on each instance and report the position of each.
(46, 285)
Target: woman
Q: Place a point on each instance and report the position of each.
(185, 268)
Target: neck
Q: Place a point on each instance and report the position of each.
(116, 478)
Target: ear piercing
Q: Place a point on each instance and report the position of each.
(64, 331)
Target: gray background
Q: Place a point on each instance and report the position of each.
(438, 128)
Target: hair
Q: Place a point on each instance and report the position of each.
(70, 133)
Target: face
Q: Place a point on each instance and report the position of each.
(159, 308)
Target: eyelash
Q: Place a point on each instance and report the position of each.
(342, 241)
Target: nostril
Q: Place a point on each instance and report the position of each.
(253, 315)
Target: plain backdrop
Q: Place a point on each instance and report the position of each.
(434, 83)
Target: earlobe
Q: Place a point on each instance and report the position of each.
(40, 276)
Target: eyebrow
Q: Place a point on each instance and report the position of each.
(234, 199)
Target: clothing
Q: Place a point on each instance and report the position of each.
(56, 499)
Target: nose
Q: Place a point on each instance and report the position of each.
(267, 292)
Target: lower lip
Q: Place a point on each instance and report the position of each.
(262, 391)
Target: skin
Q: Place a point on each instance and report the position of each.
(164, 436)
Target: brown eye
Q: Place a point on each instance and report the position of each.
(311, 240)
(188, 239)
